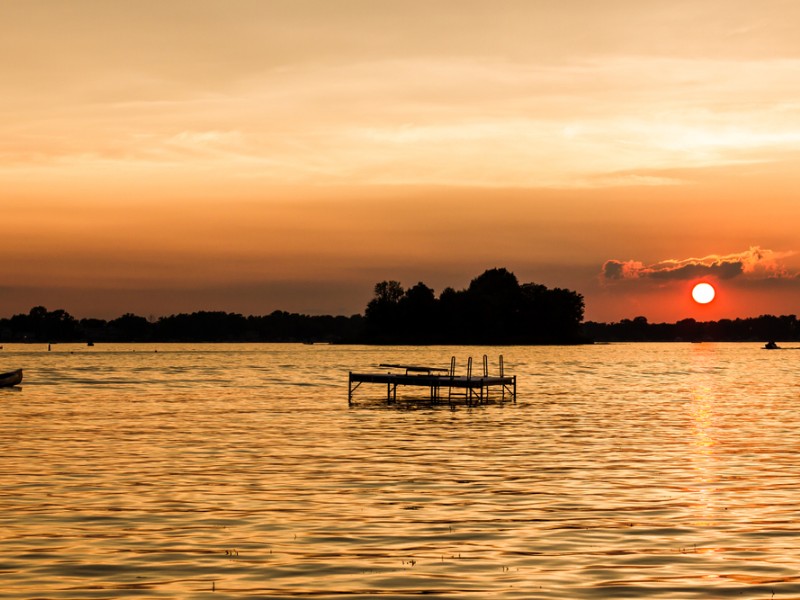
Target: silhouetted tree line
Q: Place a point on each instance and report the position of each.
(494, 309)
(41, 325)
(763, 328)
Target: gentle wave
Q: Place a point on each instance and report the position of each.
(239, 471)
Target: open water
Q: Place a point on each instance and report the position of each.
(239, 471)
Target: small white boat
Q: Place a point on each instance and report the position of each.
(10, 378)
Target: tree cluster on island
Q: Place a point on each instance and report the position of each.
(494, 309)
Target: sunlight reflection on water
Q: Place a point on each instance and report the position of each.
(233, 471)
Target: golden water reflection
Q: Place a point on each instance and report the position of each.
(238, 471)
(702, 412)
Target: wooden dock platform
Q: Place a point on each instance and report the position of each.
(475, 389)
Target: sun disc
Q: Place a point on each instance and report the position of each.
(703, 293)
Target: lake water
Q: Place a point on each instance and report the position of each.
(239, 471)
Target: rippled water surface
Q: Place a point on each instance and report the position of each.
(240, 471)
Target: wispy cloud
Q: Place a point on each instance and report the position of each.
(755, 262)
(593, 122)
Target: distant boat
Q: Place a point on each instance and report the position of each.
(10, 378)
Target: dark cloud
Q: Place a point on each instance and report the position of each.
(722, 270)
(755, 263)
(613, 269)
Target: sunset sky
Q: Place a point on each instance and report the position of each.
(252, 155)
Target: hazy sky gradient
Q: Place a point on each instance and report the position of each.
(162, 157)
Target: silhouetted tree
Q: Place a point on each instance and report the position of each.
(494, 301)
(551, 316)
(494, 309)
(94, 329)
(130, 327)
(417, 312)
(388, 292)
(383, 317)
(202, 326)
(43, 326)
(451, 315)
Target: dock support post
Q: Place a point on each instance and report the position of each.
(452, 375)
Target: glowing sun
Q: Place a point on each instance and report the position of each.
(703, 293)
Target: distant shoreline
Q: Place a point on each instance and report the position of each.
(494, 310)
(83, 344)
(281, 327)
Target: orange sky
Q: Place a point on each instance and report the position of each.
(256, 155)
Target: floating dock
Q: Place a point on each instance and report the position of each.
(475, 389)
